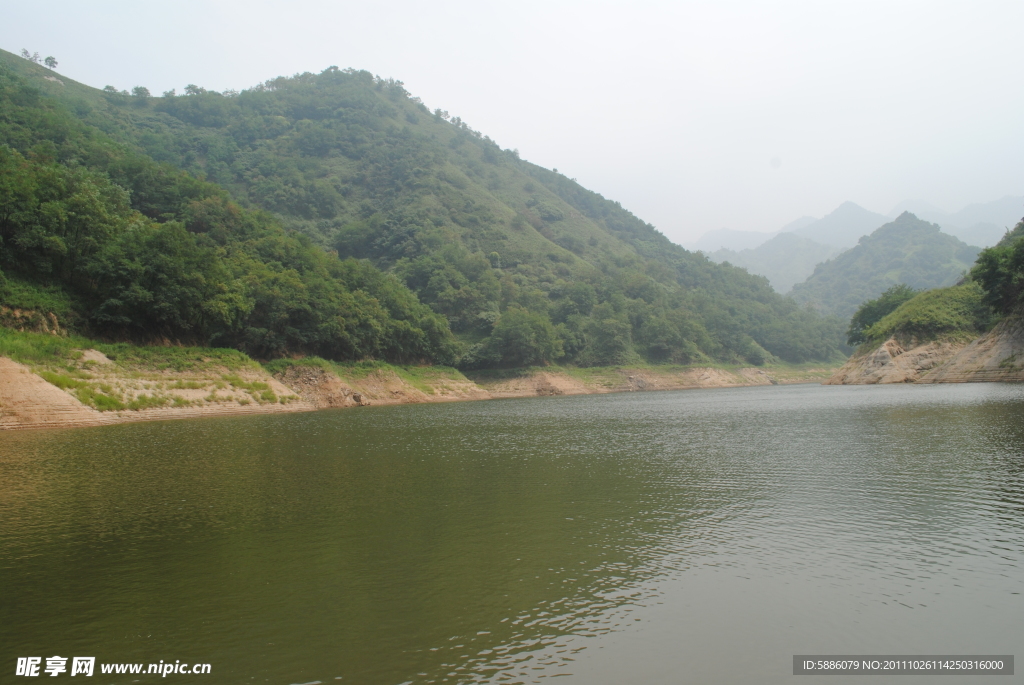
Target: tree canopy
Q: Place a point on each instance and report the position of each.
(348, 163)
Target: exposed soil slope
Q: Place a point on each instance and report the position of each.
(996, 356)
(29, 401)
(893, 362)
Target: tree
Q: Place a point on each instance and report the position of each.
(51, 62)
(31, 57)
(874, 311)
(140, 92)
(1000, 272)
(524, 338)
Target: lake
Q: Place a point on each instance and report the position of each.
(673, 537)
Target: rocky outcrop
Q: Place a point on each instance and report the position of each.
(893, 362)
(30, 320)
(319, 387)
(996, 356)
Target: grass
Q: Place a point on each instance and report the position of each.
(148, 402)
(41, 348)
(18, 293)
(176, 358)
(423, 378)
(958, 312)
(57, 359)
(62, 381)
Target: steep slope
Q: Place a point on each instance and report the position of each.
(526, 265)
(785, 260)
(843, 227)
(928, 339)
(996, 356)
(906, 250)
(108, 241)
(918, 337)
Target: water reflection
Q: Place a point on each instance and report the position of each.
(512, 541)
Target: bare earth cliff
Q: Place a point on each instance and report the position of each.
(996, 356)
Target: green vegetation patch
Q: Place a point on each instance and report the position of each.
(873, 311)
(18, 293)
(100, 396)
(959, 312)
(39, 348)
(422, 377)
(175, 358)
(1000, 271)
(907, 250)
(438, 229)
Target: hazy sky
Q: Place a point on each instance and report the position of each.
(694, 116)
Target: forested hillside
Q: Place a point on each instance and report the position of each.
(525, 265)
(121, 246)
(906, 250)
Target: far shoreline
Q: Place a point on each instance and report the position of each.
(28, 401)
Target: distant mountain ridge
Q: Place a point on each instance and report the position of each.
(728, 239)
(905, 250)
(789, 256)
(981, 223)
(843, 227)
(785, 260)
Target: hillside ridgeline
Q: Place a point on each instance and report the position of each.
(333, 214)
(906, 250)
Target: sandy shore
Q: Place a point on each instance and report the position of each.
(29, 401)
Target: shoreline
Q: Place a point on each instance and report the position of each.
(28, 401)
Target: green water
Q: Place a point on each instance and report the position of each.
(700, 536)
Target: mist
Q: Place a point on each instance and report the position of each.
(695, 116)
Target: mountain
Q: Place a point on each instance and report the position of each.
(524, 265)
(729, 239)
(922, 209)
(797, 224)
(982, 224)
(785, 260)
(928, 338)
(843, 227)
(906, 250)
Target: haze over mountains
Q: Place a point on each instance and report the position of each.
(982, 224)
(906, 250)
(786, 261)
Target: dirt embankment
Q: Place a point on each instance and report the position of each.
(96, 391)
(996, 356)
(322, 389)
(591, 381)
